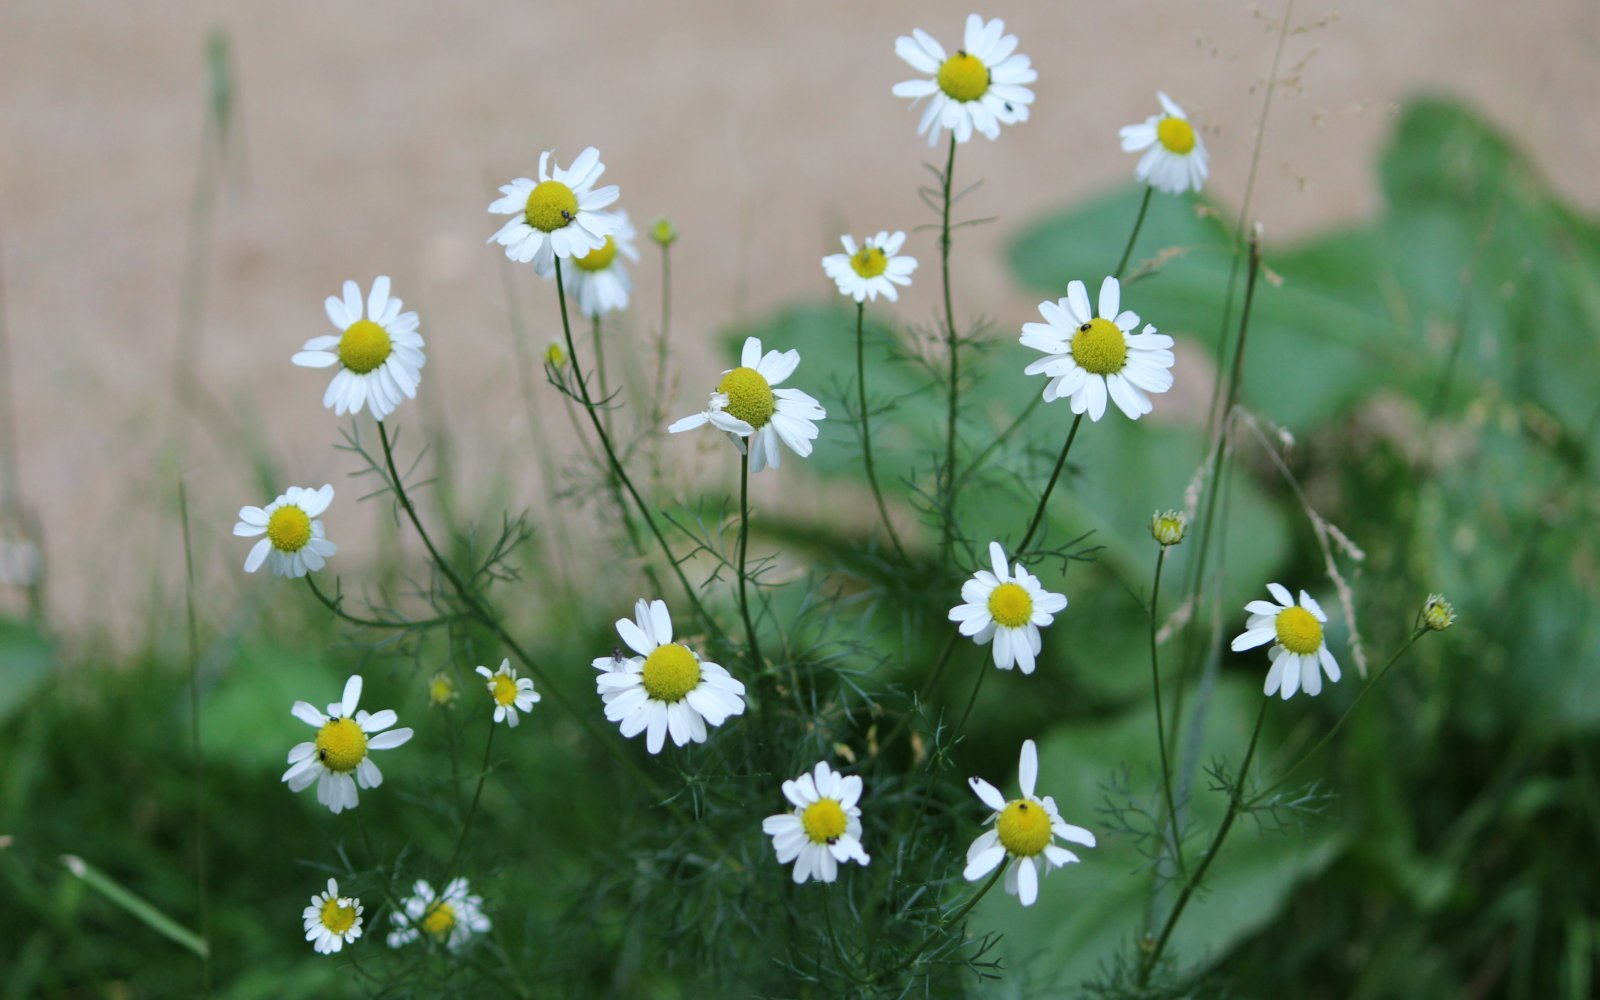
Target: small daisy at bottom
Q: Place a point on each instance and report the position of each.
(332, 919)
(1025, 830)
(451, 917)
(824, 829)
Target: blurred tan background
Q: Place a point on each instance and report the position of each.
(369, 138)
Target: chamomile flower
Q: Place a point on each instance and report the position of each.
(872, 269)
(442, 690)
(511, 694)
(379, 356)
(746, 406)
(332, 920)
(1025, 830)
(1298, 646)
(980, 87)
(1007, 608)
(598, 280)
(666, 688)
(559, 215)
(824, 829)
(295, 542)
(451, 917)
(338, 758)
(1175, 157)
(1091, 357)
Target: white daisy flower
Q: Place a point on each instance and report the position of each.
(1295, 631)
(337, 759)
(331, 920)
(824, 830)
(598, 281)
(1091, 357)
(559, 215)
(379, 356)
(872, 269)
(745, 405)
(295, 543)
(511, 694)
(981, 86)
(452, 917)
(1175, 157)
(1008, 608)
(1025, 829)
(666, 688)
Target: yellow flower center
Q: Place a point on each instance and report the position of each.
(504, 689)
(341, 744)
(337, 918)
(964, 77)
(1298, 630)
(440, 919)
(1167, 527)
(1175, 134)
(749, 395)
(1010, 605)
(1099, 347)
(869, 262)
(364, 346)
(671, 672)
(598, 260)
(1024, 828)
(289, 529)
(554, 356)
(823, 821)
(441, 690)
(551, 205)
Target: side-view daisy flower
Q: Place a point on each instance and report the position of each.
(872, 269)
(980, 87)
(1091, 357)
(295, 542)
(598, 280)
(666, 688)
(1008, 608)
(511, 694)
(1298, 647)
(1024, 829)
(337, 759)
(559, 215)
(451, 917)
(745, 405)
(379, 356)
(824, 829)
(331, 920)
(1175, 155)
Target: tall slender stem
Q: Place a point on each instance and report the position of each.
(472, 810)
(201, 885)
(1127, 251)
(339, 612)
(953, 341)
(600, 373)
(1044, 498)
(1161, 734)
(744, 546)
(866, 428)
(955, 918)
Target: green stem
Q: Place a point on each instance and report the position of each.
(756, 662)
(956, 918)
(953, 341)
(600, 374)
(927, 688)
(201, 885)
(1161, 737)
(339, 612)
(1127, 251)
(866, 431)
(472, 810)
(1044, 498)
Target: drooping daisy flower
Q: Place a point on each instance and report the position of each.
(1295, 631)
(331, 920)
(598, 280)
(380, 356)
(1091, 357)
(559, 215)
(295, 543)
(451, 917)
(1025, 829)
(872, 269)
(745, 405)
(337, 759)
(1175, 157)
(1008, 608)
(824, 830)
(981, 86)
(666, 688)
(511, 694)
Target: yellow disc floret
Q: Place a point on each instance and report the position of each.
(671, 672)
(289, 529)
(503, 687)
(1299, 631)
(869, 262)
(440, 919)
(749, 395)
(598, 260)
(1024, 828)
(337, 917)
(364, 346)
(441, 690)
(341, 744)
(964, 77)
(1010, 605)
(1175, 134)
(551, 206)
(823, 821)
(1099, 347)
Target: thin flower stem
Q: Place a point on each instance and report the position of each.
(201, 884)
(656, 407)
(1044, 498)
(744, 545)
(1161, 737)
(600, 373)
(983, 671)
(927, 688)
(955, 918)
(953, 341)
(339, 612)
(1144, 205)
(866, 431)
(472, 810)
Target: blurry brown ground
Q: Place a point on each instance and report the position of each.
(371, 135)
